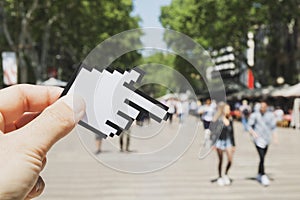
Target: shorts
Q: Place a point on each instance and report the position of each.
(98, 137)
(223, 144)
(206, 124)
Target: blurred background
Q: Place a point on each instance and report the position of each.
(255, 47)
(254, 44)
(260, 39)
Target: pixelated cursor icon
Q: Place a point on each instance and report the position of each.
(112, 101)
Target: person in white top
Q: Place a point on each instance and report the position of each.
(179, 111)
(207, 113)
(278, 112)
(171, 103)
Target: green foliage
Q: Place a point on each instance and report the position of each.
(214, 24)
(217, 24)
(169, 70)
(61, 33)
(157, 66)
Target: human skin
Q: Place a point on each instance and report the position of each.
(32, 120)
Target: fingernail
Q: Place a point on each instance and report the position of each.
(77, 104)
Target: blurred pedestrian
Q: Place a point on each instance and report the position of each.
(207, 112)
(261, 126)
(279, 113)
(245, 110)
(193, 107)
(295, 122)
(186, 109)
(171, 103)
(98, 140)
(225, 142)
(125, 138)
(179, 111)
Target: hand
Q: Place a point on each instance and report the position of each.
(30, 123)
(254, 134)
(233, 149)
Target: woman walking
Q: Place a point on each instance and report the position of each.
(225, 142)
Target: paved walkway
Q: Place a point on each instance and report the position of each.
(72, 173)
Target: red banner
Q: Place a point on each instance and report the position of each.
(250, 79)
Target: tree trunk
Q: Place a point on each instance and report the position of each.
(45, 46)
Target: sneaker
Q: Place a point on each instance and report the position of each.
(220, 181)
(226, 180)
(97, 152)
(258, 178)
(265, 180)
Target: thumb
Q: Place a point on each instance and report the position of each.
(54, 122)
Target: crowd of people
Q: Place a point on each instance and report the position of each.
(259, 122)
(32, 123)
(258, 119)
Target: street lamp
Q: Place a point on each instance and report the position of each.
(280, 80)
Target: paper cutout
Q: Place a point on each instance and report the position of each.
(112, 101)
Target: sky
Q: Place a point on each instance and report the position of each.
(149, 11)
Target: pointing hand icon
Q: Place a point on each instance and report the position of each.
(112, 101)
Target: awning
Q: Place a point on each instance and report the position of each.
(292, 91)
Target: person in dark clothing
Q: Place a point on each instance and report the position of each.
(125, 134)
(225, 142)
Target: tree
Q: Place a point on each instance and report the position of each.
(277, 39)
(59, 33)
(212, 25)
(159, 68)
(218, 24)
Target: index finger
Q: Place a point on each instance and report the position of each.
(16, 100)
